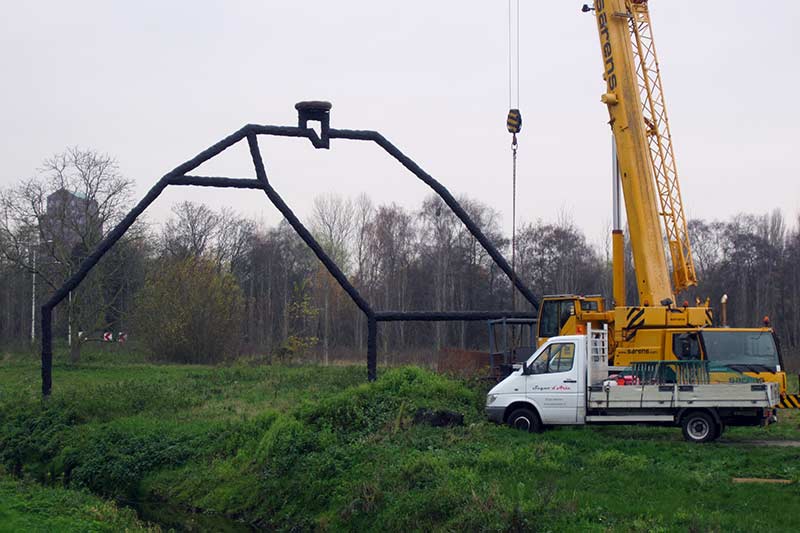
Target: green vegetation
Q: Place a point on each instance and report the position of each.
(190, 312)
(308, 447)
(31, 507)
(793, 383)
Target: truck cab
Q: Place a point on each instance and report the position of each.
(552, 381)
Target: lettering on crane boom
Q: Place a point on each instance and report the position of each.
(605, 37)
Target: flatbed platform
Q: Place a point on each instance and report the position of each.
(764, 395)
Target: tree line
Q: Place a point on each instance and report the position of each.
(278, 300)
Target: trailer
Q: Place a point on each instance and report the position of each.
(566, 382)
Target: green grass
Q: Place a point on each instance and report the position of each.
(31, 507)
(793, 384)
(310, 447)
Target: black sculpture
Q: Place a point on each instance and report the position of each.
(307, 111)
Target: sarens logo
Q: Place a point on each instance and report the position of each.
(605, 41)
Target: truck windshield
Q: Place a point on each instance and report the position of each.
(745, 351)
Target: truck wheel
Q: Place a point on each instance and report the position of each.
(525, 419)
(699, 427)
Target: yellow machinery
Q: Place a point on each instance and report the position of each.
(657, 328)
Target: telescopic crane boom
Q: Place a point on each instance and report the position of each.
(635, 101)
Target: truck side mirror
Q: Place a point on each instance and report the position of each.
(525, 368)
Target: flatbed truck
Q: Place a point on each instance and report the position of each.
(566, 382)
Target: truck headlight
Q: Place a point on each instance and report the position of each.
(490, 398)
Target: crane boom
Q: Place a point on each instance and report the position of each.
(639, 122)
(662, 155)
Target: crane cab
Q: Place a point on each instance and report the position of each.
(750, 352)
(568, 314)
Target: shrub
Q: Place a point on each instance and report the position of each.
(399, 392)
(285, 442)
(188, 312)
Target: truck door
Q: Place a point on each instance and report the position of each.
(552, 384)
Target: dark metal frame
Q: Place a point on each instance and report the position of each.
(516, 342)
(307, 111)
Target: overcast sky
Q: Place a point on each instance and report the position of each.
(153, 83)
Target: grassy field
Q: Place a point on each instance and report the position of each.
(31, 507)
(316, 448)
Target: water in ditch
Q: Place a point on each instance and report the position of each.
(173, 517)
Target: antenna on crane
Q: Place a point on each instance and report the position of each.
(514, 126)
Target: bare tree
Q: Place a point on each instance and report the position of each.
(332, 223)
(363, 223)
(556, 259)
(364, 211)
(234, 235)
(49, 223)
(393, 247)
(438, 229)
(191, 230)
(790, 324)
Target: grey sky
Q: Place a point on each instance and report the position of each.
(153, 83)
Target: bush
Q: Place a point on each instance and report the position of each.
(285, 443)
(391, 400)
(188, 312)
(112, 459)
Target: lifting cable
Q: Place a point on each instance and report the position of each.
(514, 126)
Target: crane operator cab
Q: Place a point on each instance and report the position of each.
(567, 314)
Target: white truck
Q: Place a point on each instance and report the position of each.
(566, 382)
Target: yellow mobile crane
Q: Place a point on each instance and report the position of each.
(657, 328)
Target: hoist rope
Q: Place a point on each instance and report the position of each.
(514, 222)
(513, 54)
(514, 124)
